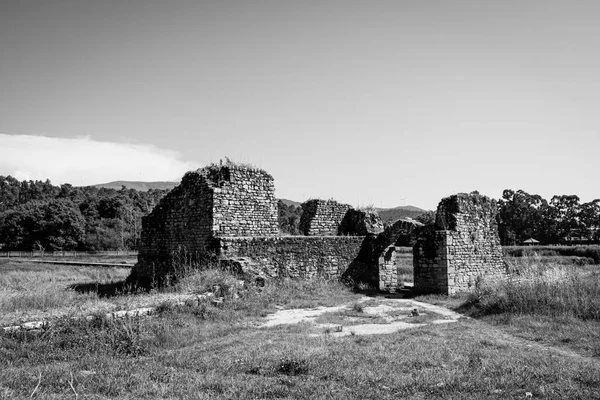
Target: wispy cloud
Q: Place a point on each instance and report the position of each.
(85, 161)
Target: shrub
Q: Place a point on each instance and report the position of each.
(292, 366)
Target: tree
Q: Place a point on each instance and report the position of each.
(55, 224)
(589, 218)
(520, 216)
(289, 218)
(427, 218)
(112, 218)
(565, 212)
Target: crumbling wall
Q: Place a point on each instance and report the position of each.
(462, 247)
(322, 217)
(216, 201)
(231, 211)
(360, 223)
(181, 220)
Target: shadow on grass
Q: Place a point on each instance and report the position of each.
(112, 289)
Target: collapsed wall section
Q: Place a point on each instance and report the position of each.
(462, 247)
(322, 217)
(360, 223)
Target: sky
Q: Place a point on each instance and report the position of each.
(382, 103)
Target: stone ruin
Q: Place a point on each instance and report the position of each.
(322, 217)
(461, 248)
(360, 223)
(229, 212)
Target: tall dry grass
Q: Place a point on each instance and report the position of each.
(549, 289)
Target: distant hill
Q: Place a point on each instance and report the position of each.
(139, 186)
(394, 214)
(290, 202)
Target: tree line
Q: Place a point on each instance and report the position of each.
(563, 219)
(36, 215)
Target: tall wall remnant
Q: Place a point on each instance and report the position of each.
(322, 217)
(462, 246)
(215, 201)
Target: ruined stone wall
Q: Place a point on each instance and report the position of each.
(216, 201)
(181, 220)
(360, 223)
(292, 256)
(463, 246)
(430, 261)
(322, 217)
(388, 270)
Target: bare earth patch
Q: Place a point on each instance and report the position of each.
(392, 315)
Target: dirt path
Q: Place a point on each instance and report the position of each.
(392, 315)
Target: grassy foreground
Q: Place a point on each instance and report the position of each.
(30, 291)
(213, 351)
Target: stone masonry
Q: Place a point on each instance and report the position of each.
(307, 257)
(461, 248)
(229, 212)
(360, 223)
(322, 217)
(215, 201)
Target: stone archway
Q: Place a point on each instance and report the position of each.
(385, 254)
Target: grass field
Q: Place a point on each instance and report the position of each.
(405, 267)
(219, 351)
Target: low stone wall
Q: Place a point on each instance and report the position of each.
(322, 217)
(326, 257)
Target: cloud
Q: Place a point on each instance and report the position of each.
(84, 161)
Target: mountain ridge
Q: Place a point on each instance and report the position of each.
(138, 185)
